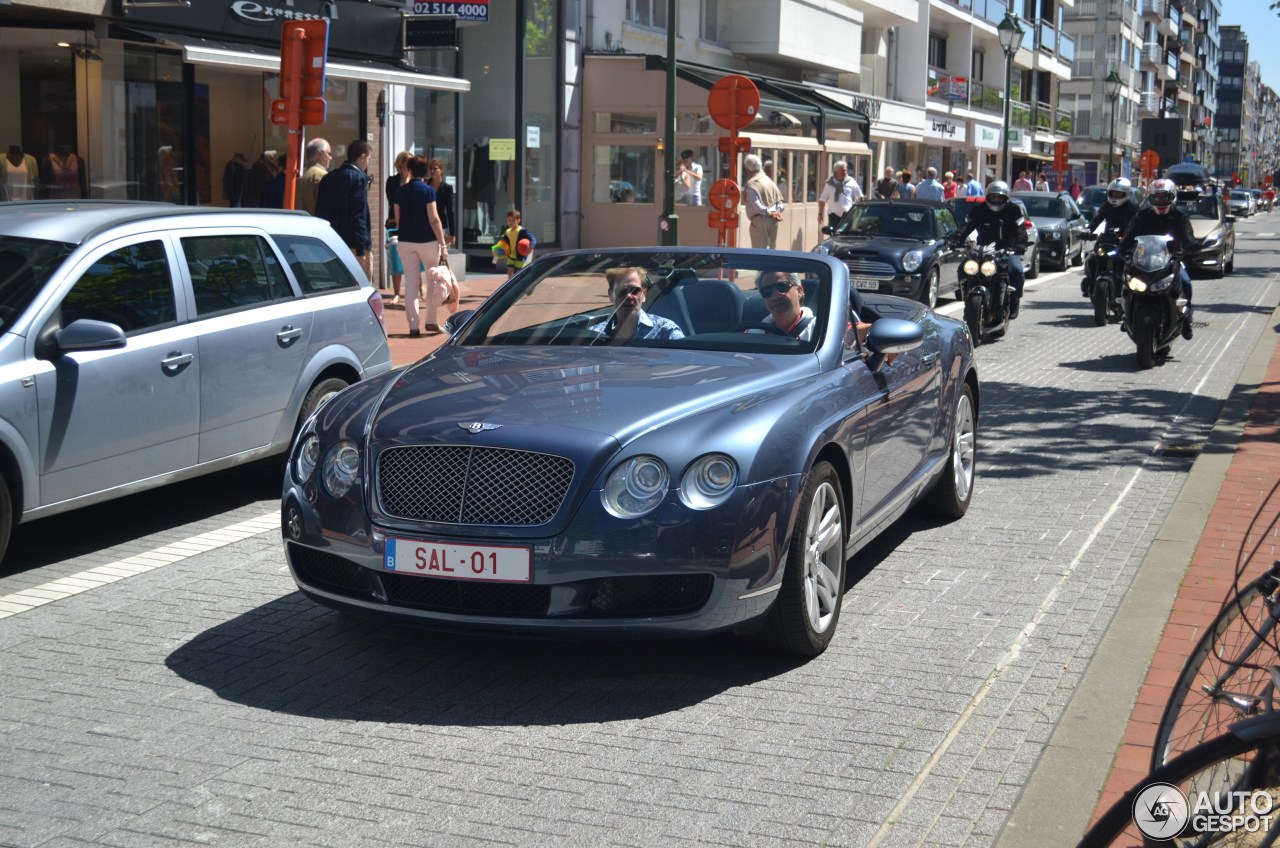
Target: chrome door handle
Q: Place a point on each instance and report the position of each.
(176, 360)
(929, 359)
(288, 334)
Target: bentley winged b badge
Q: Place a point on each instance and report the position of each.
(477, 426)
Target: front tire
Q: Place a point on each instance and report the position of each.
(1144, 336)
(1101, 301)
(803, 619)
(1034, 267)
(929, 291)
(951, 494)
(6, 516)
(974, 318)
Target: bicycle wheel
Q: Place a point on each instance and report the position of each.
(1227, 676)
(1221, 776)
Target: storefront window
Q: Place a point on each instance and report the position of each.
(540, 139)
(490, 59)
(623, 173)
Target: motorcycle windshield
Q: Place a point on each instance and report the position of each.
(1150, 253)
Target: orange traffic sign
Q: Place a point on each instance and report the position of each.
(1148, 162)
(734, 102)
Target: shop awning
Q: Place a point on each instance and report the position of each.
(204, 51)
(784, 104)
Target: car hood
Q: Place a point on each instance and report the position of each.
(843, 247)
(515, 394)
(1049, 223)
(1204, 228)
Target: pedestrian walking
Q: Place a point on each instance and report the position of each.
(343, 201)
(763, 202)
(316, 156)
(421, 243)
(395, 267)
(930, 189)
(838, 195)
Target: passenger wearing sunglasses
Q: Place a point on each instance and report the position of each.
(627, 288)
(782, 293)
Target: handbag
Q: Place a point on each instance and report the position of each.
(440, 281)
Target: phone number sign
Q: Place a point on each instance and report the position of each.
(477, 10)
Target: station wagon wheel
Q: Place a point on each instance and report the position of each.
(320, 393)
(803, 619)
(6, 516)
(950, 496)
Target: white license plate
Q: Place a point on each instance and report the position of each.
(492, 563)
(866, 285)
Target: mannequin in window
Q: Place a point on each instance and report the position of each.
(21, 174)
(62, 174)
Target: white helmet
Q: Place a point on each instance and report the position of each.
(1163, 194)
(997, 195)
(1119, 192)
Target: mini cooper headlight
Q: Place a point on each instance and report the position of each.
(988, 268)
(970, 266)
(635, 487)
(1137, 285)
(911, 260)
(708, 481)
(341, 467)
(304, 465)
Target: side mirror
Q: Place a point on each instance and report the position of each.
(87, 334)
(891, 336)
(1230, 219)
(828, 230)
(457, 319)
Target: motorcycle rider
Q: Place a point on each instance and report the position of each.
(1117, 213)
(1162, 217)
(1000, 222)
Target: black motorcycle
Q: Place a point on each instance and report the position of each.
(986, 291)
(1155, 311)
(1105, 270)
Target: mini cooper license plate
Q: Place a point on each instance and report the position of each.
(866, 285)
(458, 562)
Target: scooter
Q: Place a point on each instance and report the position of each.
(1155, 311)
(985, 289)
(1105, 265)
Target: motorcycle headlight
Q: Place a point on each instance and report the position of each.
(1137, 285)
(635, 487)
(341, 468)
(304, 464)
(1161, 285)
(911, 260)
(709, 481)
(988, 268)
(970, 266)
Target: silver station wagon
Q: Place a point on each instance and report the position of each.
(144, 343)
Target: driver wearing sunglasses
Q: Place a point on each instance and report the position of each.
(627, 288)
(782, 293)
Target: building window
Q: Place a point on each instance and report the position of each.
(624, 122)
(937, 50)
(650, 13)
(710, 24)
(623, 173)
(979, 72)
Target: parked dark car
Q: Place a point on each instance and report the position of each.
(542, 473)
(897, 247)
(960, 207)
(1215, 229)
(1061, 224)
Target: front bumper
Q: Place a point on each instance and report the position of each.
(901, 285)
(676, 572)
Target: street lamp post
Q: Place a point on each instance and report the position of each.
(1010, 32)
(1113, 83)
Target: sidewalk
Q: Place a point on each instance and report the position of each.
(1227, 517)
(404, 350)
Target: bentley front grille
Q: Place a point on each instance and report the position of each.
(459, 484)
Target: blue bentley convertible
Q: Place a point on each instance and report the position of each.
(638, 442)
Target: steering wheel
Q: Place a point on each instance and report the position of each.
(770, 329)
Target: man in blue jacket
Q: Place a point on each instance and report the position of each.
(343, 200)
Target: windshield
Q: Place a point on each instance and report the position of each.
(1200, 208)
(1044, 207)
(888, 219)
(25, 266)
(1094, 196)
(688, 300)
(1240, 195)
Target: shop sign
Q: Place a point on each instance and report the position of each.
(946, 129)
(476, 10)
(986, 137)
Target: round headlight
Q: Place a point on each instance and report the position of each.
(635, 487)
(1051, 235)
(988, 268)
(911, 260)
(825, 247)
(709, 481)
(1137, 285)
(341, 467)
(308, 455)
(970, 266)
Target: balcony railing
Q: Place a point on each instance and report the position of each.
(1048, 39)
(1153, 7)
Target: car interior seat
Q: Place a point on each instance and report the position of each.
(714, 305)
